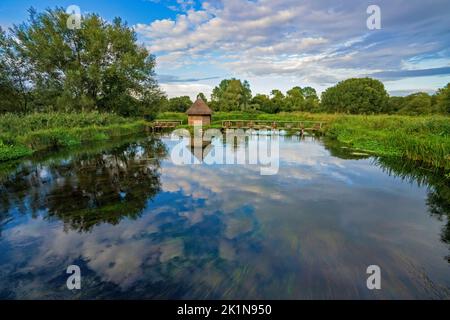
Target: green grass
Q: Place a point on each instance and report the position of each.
(218, 117)
(425, 139)
(8, 152)
(23, 135)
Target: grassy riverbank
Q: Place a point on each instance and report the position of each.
(424, 138)
(23, 135)
(420, 138)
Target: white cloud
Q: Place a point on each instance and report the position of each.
(191, 90)
(316, 41)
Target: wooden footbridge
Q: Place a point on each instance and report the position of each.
(159, 125)
(273, 125)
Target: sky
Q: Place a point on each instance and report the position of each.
(279, 44)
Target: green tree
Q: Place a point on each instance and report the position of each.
(202, 96)
(231, 95)
(14, 94)
(98, 66)
(263, 103)
(394, 104)
(179, 104)
(311, 99)
(278, 101)
(443, 99)
(356, 95)
(416, 104)
(294, 99)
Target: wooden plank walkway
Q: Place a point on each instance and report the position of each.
(248, 124)
(165, 124)
(273, 125)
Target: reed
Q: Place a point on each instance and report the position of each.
(23, 135)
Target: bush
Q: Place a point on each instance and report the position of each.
(356, 96)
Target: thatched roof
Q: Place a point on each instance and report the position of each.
(199, 108)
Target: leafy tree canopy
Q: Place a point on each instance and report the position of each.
(96, 67)
(179, 104)
(416, 104)
(202, 96)
(443, 99)
(231, 95)
(356, 95)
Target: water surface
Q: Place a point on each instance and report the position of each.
(140, 226)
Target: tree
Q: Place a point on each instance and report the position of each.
(278, 101)
(179, 104)
(294, 99)
(394, 104)
(416, 104)
(231, 95)
(264, 103)
(14, 94)
(202, 96)
(356, 95)
(443, 99)
(311, 99)
(98, 66)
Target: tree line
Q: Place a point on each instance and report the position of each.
(352, 96)
(46, 66)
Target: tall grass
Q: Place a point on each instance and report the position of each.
(425, 139)
(22, 135)
(218, 117)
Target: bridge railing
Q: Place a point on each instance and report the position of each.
(268, 124)
(163, 123)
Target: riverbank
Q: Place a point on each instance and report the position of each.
(22, 136)
(419, 138)
(425, 138)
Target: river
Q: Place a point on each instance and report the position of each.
(139, 225)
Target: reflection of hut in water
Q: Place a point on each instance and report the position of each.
(199, 113)
(199, 148)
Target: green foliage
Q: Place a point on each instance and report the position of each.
(311, 103)
(294, 99)
(179, 104)
(278, 101)
(356, 96)
(424, 139)
(202, 96)
(443, 99)
(13, 93)
(97, 67)
(263, 103)
(16, 125)
(220, 116)
(9, 152)
(301, 99)
(394, 104)
(416, 104)
(231, 95)
(22, 135)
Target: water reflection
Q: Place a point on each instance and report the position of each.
(141, 227)
(88, 189)
(438, 194)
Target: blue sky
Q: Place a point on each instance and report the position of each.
(280, 43)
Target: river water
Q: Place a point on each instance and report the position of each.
(139, 225)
